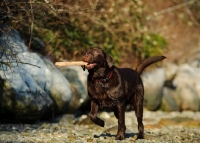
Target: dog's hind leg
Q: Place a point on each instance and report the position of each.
(120, 115)
(138, 106)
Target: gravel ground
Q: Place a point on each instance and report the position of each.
(160, 127)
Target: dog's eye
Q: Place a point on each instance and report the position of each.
(95, 53)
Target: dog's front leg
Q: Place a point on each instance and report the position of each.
(93, 114)
(121, 121)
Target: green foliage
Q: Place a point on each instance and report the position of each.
(154, 44)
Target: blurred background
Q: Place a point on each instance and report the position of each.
(128, 30)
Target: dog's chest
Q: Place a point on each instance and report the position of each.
(101, 94)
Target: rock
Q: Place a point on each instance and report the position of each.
(196, 63)
(104, 115)
(188, 87)
(12, 42)
(37, 45)
(31, 88)
(59, 88)
(49, 78)
(78, 81)
(170, 101)
(22, 99)
(153, 85)
(36, 68)
(189, 97)
(82, 76)
(170, 71)
(197, 87)
(186, 74)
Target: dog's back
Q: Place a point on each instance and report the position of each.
(129, 76)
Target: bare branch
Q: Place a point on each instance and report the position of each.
(192, 17)
(32, 24)
(170, 9)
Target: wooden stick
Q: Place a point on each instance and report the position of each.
(77, 63)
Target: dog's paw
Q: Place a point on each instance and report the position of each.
(101, 123)
(119, 137)
(140, 136)
(98, 121)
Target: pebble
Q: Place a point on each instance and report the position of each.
(162, 127)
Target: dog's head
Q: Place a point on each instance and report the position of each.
(96, 58)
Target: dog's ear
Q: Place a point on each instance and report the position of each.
(109, 60)
(83, 67)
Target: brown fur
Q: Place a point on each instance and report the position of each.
(114, 88)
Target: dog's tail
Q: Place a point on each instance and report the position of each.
(141, 66)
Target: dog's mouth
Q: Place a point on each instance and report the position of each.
(90, 66)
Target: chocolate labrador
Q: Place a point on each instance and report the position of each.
(114, 88)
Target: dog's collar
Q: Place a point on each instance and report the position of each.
(104, 79)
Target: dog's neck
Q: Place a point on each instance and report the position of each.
(99, 73)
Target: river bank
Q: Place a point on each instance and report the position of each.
(159, 127)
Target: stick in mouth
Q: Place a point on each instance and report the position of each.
(77, 63)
